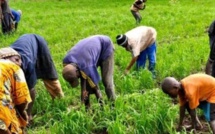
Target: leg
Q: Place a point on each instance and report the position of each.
(107, 76)
(99, 97)
(212, 125)
(137, 16)
(198, 123)
(30, 105)
(141, 61)
(151, 52)
(97, 93)
(213, 70)
(212, 117)
(6, 25)
(16, 25)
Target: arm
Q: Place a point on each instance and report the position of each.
(193, 118)
(98, 95)
(5, 131)
(22, 114)
(84, 93)
(133, 60)
(21, 96)
(197, 123)
(143, 7)
(182, 114)
(21, 109)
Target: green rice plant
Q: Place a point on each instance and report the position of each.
(140, 106)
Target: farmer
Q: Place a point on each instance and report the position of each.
(6, 17)
(82, 62)
(196, 90)
(14, 95)
(16, 17)
(136, 6)
(37, 64)
(140, 41)
(210, 66)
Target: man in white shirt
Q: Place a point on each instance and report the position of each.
(141, 42)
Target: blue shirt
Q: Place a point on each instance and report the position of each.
(36, 58)
(89, 53)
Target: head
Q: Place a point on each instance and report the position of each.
(170, 86)
(71, 74)
(20, 12)
(10, 54)
(122, 40)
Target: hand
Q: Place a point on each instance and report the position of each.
(199, 127)
(179, 128)
(85, 95)
(22, 121)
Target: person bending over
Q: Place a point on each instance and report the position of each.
(194, 91)
(82, 61)
(14, 96)
(37, 63)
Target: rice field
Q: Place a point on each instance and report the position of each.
(140, 107)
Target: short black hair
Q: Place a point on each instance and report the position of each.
(166, 84)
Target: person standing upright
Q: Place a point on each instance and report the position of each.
(6, 17)
(135, 7)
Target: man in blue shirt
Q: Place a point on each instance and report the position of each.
(36, 63)
(82, 62)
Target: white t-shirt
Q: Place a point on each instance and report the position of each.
(140, 38)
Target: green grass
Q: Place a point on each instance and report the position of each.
(182, 50)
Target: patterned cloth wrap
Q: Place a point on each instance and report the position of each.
(13, 91)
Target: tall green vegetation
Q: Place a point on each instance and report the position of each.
(140, 107)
